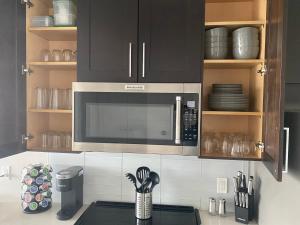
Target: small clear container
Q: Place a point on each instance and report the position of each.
(57, 55)
(64, 19)
(67, 55)
(42, 21)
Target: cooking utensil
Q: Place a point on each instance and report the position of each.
(142, 174)
(132, 178)
(145, 185)
(154, 179)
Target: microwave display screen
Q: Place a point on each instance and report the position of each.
(130, 121)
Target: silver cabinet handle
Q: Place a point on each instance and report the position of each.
(178, 121)
(130, 59)
(287, 148)
(144, 58)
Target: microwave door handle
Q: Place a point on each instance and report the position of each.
(178, 121)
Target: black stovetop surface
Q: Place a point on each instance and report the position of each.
(117, 213)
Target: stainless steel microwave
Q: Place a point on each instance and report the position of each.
(137, 118)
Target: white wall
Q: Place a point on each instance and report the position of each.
(279, 202)
(184, 180)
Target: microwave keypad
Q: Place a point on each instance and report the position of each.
(190, 124)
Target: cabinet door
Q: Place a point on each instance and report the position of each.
(12, 83)
(171, 41)
(274, 88)
(107, 40)
(293, 42)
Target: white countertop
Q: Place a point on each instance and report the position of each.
(11, 214)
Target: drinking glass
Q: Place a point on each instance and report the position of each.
(69, 99)
(56, 141)
(41, 95)
(226, 144)
(236, 146)
(57, 55)
(210, 143)
(44, 137)
(68, 140)
(63, 98)
(74, 56)
(67, 55)
(54, 98)
(46, 55)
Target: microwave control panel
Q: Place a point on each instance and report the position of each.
(190, 124)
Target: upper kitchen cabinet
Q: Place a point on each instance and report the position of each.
(254, 133)
(140, 41)
(12, 84)
(171, 34)
(107, 40)
(50, 69)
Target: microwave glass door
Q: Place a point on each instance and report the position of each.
(134, 118)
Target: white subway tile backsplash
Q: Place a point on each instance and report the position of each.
(184, 180)
(102, 177)
(180, 181)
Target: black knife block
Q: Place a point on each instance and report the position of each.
(243, 215)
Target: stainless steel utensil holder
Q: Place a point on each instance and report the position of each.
(143, 205)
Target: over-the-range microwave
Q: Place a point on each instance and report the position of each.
(137, 118)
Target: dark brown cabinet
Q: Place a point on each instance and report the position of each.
(292, 42)
(12, 84)
(140, 41)
(107, 40)
(171, 41)
(274, 88)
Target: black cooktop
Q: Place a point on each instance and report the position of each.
(117, 213)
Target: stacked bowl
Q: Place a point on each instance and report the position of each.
(216, 46)
(227, 97)
(246, 43)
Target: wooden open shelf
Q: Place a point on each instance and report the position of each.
(224, 1)
(227, 113)
(55, 65)
(229, 63)
(40, 148)
(62, 111)
(235, 24)
(219, 155)
(55, 33)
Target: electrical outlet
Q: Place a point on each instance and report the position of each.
(5, 172)
(222, 186)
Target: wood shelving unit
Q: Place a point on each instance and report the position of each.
(219, 155)
(235, 24)
(227, 113)
(55, 33)
(63, 111)
(234, 14)
(55, 65)
(47, 74)
(229, 63)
